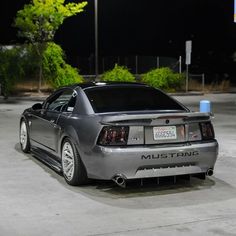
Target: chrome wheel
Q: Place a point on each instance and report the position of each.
(23, 135)
(68, 161)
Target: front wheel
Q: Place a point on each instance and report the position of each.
(24, 137)
(73, 168)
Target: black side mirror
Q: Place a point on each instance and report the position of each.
(37, 106)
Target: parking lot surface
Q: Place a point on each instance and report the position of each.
(34, 200)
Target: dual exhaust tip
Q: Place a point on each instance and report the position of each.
(120, 179)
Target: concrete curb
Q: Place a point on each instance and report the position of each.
(187, 94)
(24, 98)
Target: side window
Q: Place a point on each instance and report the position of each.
(71, 104)
(60, 101)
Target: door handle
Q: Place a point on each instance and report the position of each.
(54, 124)
(42, 112)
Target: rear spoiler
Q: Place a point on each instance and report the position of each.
(152, 119)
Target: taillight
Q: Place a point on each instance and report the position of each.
(194, 133)
(207, 130)
(114, 135)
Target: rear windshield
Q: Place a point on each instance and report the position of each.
(136, 98)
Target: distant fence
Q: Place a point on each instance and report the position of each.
(197, 82)
(136, 64)
(141, 64)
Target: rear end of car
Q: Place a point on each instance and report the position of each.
(163, 140)
(186, 145)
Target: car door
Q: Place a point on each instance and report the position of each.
(44, 127)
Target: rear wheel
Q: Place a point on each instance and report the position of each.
(24, 137)
(73, 169)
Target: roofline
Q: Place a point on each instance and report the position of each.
(106, 84)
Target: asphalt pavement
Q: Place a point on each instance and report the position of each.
(36, 201)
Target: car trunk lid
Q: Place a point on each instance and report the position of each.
(159, 128)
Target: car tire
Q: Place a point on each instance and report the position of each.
(24, 136)
(73, 168)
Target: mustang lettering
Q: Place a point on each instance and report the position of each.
(170, 155)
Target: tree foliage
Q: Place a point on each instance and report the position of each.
(30, 64)
(55, 69)
(38, 21)
(163, 78)
(11, 61)
(118, 74)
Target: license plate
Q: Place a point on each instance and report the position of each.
(164, 132)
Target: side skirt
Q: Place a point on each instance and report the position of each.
(47, 159)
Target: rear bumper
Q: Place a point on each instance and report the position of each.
(152, 161)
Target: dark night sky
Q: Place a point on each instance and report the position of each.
(151, 27)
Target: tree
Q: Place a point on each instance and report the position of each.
(38, 22)
(163, 78)
(11, 60)
(55, 69)
(118, 74)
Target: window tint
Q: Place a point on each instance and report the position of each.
(112, 99)
(62, 101)
(71, 104)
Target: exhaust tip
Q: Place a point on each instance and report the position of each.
(120, 180)
(210, 172)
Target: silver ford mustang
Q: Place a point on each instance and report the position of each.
(118, 131)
